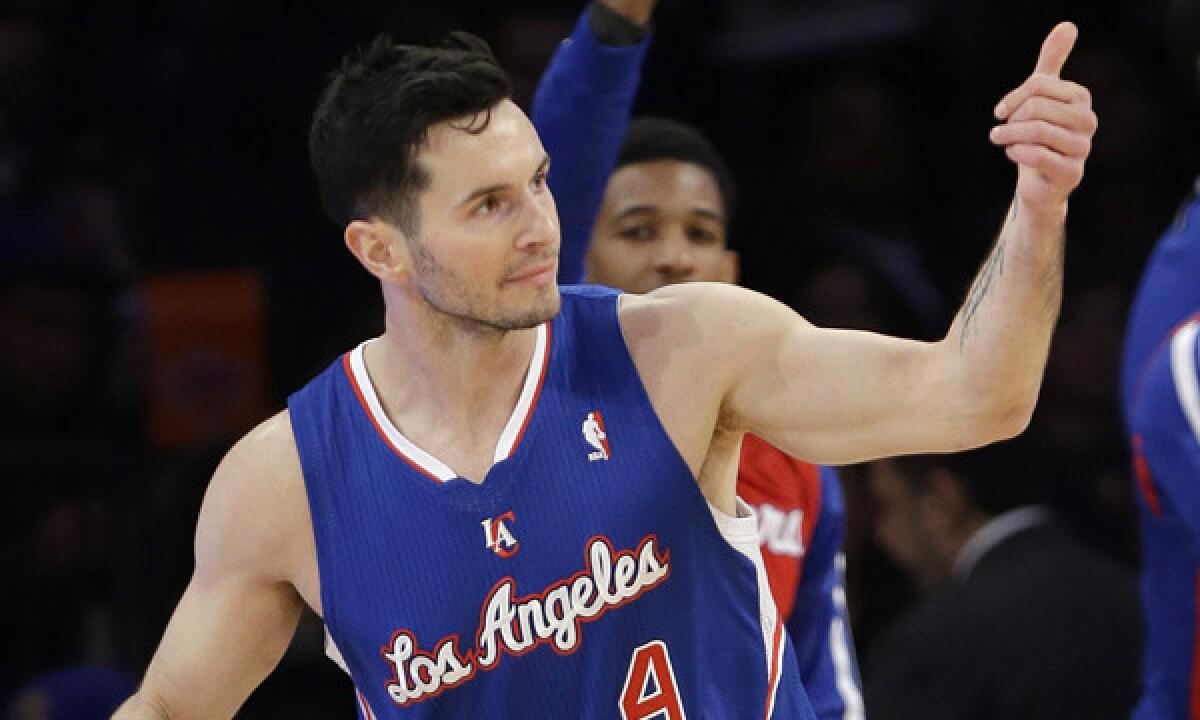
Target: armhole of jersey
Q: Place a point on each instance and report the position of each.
(333, 653)
(1183, 370)
(741, 532)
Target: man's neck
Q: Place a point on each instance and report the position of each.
(449, 389)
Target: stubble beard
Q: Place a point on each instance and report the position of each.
(465, 308)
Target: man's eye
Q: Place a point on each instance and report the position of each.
(637, 232)
(701, 236)
(488, 206)
(539, 180)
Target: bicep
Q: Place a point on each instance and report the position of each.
(241, 608)
(839, 396)
(227, 633)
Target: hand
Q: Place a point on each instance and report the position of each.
(1047, 127)
(636, 11)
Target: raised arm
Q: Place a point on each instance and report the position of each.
(581, 110)
(239, 611)
(839, 396)
(851, 396)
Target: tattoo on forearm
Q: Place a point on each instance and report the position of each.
(992, 267)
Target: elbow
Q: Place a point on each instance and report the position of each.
(1014, 421)
(1006, 420)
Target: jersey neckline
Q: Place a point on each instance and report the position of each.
(424, 462)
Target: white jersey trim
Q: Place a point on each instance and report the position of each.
(1183, 369)
(741, 532)
(839, 648)
(411, 450)
(333, 653)
(533, 378)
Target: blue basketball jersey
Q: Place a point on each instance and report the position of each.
(585, 577)
(1165, 423)
(1161, 406)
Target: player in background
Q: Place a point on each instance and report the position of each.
(1161, 405)
(683, 193)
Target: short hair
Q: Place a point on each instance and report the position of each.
(656, 138)
(994, 478)
(376, 110)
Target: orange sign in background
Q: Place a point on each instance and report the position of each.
(205, 341)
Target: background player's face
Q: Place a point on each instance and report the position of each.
(662, 222)
(907, 525)
(486, 246)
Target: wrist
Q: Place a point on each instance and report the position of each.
(617, 23)
(1049, 214)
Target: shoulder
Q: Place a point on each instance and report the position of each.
(255, 509)
(717, 318)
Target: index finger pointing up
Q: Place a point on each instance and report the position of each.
(1055, 49)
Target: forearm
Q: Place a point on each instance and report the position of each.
(141, 707)
(581, 109)
(1001, 335)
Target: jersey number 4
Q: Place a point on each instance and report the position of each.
(650, 690)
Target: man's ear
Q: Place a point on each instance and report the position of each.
(378, 246)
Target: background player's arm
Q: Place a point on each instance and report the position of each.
(581, 110)
(239, 612)
(840, 396)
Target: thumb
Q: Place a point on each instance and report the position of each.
(1055, 49)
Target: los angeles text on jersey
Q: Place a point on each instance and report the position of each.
(516, 625)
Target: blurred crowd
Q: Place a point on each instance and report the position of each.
(167, 277)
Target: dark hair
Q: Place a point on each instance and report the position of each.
(656, 138)
(377, 109)
(994, 478)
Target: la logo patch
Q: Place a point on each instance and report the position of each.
(593, 432)
(498, 538)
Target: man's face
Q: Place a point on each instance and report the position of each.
(902, 525)
(485, 250)
(661, 223)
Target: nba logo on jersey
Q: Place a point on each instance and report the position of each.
(593, 432)
(497, 537)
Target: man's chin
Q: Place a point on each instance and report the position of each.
(545, 307)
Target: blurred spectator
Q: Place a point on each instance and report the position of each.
(859, 192)
(64, 464)
(1021, 621)
(74, 693)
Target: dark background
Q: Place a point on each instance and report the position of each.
(152, 157)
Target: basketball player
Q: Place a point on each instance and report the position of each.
(683, 190)
(1161, 402)
(433, 495)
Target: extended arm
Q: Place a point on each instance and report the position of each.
(838, 396)
(581, 109)
(238, 613)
